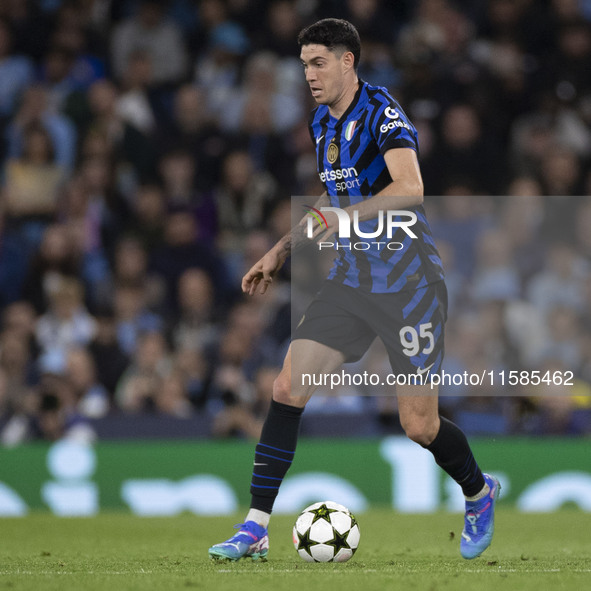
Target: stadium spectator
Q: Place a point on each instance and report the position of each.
(130, 145)
(109, 359)
(81, 39)
(149, 30)
(54, 261)
(521, 217)
(14, 258)
(461, 223)
(464, 150)
(132, 317)
(49, 412)
(92, 398)
(561, 282)
(107, 210)
(560, 173)
(129, 267)
(378, 64)
(280, 28)
(496, 277)
(373, 20)
(563, 342)
(192, 128)
(66, 323)
(16, 72)
(19, 347)
(177, 169)
(246, 417)
(260, 116)
(34, 108)
(56, 76)
(218, 67)
(210, 15)
(33, 180)
(182, 250)
(193, 364)
(149, 216)
(82, 218)
(141, 382)
(196, 326)
(244, 347)
(180, 182)
(568, 71)
(243, 199)
(134, 104)
(20, 317)
(263, 98)
(553, 411)
(18, 372)
(172, 397)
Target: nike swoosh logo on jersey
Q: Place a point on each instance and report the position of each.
(318, 139)
(424, 369)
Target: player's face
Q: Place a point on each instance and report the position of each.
(325, 73)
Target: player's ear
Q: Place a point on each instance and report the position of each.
(348, 61)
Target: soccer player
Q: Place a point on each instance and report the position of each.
(367, 160)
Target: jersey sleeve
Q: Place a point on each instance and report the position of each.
(391, 128)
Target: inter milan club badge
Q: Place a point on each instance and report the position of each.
(332, 153)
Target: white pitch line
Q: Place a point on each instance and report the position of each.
(528, 571)
(65, 572)
(460, 571)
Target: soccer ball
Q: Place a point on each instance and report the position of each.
(326, 532)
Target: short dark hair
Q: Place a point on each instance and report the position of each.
(333, 33)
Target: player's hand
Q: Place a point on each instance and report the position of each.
(262, 273)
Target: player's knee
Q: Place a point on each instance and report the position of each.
(421, 430)
(282, 389)
(283, 392)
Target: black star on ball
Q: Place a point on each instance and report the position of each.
(339, 542)
(304, 541)
(323, 512)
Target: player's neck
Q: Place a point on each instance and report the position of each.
(345, 99)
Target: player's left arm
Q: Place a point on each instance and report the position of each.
(267, 267)
(405, 190)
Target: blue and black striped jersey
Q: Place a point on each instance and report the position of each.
(351, 165)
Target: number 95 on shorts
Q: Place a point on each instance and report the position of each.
(410, 323)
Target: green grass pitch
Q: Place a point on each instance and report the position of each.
(119, 552)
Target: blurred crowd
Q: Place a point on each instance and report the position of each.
(149, 150)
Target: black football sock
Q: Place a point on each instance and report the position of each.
(274, 454)
(452, 452)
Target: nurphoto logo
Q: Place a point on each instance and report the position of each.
(390, 221)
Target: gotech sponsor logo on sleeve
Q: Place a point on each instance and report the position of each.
(394, 115)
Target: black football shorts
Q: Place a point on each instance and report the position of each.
(409, 323)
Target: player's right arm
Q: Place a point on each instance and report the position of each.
(263, 271)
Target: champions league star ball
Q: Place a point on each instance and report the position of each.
(326, 532)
